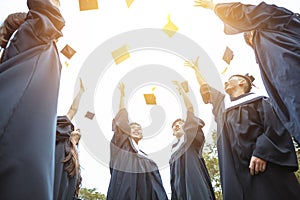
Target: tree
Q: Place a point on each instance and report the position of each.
(210, 156)
(90, 194)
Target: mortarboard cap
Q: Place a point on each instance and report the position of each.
(150, 99)
(89, 115)
(228, 55)
(129, 2)
(249, 78)
(88, 5)
(120, 54)
(68, 51)
(170, 28)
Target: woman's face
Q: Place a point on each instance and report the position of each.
(136, 131)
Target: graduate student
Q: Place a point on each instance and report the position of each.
(189, 176)
(29, 82)
(273, 33)
(67, 178)
(133, 175)
(256, 154)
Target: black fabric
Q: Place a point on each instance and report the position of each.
(64, 185)
(133, 175)
(252, 128)
(29, 83)
(277, 50)
(189, 176)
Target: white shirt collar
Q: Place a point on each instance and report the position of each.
(136, 147)
(249, 97)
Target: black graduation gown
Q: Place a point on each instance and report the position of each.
(133, 175)
(277, 50)
(64, 185)
(251, 128)
(189, 176)
(29, 83)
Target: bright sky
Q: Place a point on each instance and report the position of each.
(148, 67)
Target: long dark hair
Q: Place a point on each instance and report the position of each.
(71, 159)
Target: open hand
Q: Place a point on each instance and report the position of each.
(205, 4)
(178, 86)
(192, 64)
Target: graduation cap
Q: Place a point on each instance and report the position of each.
(89, 115)
(228, 55)
(120, 54)
(170, 28)
(150, 99)
(129, 2)
(68, 51)
(88, 5)
(185, 86)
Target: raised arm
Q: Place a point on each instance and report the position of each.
(194, 65)
(120, 123)
(122, 95)
(74, 107)
(238, 17)
(187, 102)
(204, 87)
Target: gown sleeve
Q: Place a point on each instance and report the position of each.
(192, 127)
(238, 17)
(121, 128)
(275, 145)
(43, 25)
(216, 98)
(45, 19)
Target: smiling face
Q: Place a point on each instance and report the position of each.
(232, 84)
(177, 128)
(136, 131)
(237, 85)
